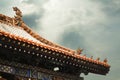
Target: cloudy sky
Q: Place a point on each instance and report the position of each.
(93, 25)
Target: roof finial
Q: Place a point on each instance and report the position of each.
(84, 55)
(79, 51)
(105, 60)
(18, 16)
(98, 59)
(91, 57)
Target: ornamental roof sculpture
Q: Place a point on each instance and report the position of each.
(18, 17)
(15, 29)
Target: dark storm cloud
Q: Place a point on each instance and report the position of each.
(111, 7)
(31, 20)
(112, 12)
(72, 39)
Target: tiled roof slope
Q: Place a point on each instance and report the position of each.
(23, 33)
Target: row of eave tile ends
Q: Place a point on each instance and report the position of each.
(56, 48)
(73, 54)
(50, 45)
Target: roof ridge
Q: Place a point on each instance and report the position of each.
(11, 21)
(13, 36)
(45, 41)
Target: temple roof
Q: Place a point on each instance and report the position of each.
(17, 31)
(21, 32)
